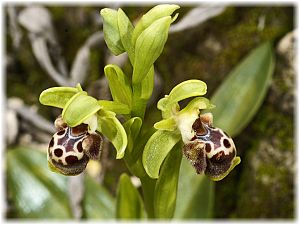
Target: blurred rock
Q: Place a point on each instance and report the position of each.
(11, 130)
(197, 16)
(283, 87)
(37, 20)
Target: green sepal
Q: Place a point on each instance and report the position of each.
(186, 89)
(116, 107)
(166, 124)
(147, 84)
(111, 128)
(149, 46)
(119, 84)
(141, 93)
(57, 96)
(132, 128)
(234, 163)
(156, 150)
(111, 31)
(125, 31)
(79, 108)
(151, 16)
(129, 202)
(190, 88)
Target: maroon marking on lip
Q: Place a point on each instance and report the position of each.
(61, 132)
(51, 143)
(198, 127)
(79, 147)
(58, 152)
(194, 138)
(207, 147)
(71, 159)
(226, 143)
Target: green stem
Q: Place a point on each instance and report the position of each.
(138, 104)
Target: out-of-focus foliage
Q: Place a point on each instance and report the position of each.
(36, 192)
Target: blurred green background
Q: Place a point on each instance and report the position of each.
(262, 186)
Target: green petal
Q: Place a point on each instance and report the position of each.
(111, 127)
(197, 104)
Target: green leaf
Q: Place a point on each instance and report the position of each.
(166, 185)
(111, 31)
(129, 201)
(243, 91)
(156, 150)
(57, 96)
(79, 108)
(166, 124)
(117, 107)
(195, 195)
(111, 128)
(119, 84)
(151, 16)
(35, 191)
(132, 128)
(126, 30)
(98, 202)
(149, 46)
